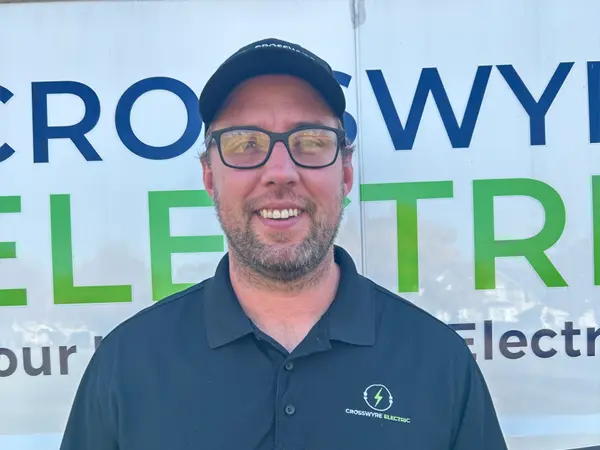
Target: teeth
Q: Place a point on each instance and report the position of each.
(279, 213)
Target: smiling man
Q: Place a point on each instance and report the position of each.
(287, 346)
(278, 168)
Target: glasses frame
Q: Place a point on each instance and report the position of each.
(274, 138)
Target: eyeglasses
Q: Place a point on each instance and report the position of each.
(310, 146)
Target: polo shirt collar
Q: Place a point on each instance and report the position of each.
(351, 315)
(225, 320)
(350, 318)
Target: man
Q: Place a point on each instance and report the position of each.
(287, 346)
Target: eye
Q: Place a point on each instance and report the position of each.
(250, 143)
(313, 140)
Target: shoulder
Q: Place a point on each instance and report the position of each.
(400, 318)
(159, 319)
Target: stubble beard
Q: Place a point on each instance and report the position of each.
(279, 263)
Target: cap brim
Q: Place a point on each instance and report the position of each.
(263, 61)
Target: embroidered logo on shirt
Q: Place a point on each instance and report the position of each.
(379, 398)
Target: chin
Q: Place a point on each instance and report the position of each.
(283, 238)
(282, 244)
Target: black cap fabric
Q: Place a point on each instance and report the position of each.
(270, 56)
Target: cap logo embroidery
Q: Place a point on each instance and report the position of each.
(287, 47)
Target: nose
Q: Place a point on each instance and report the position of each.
(279, 168)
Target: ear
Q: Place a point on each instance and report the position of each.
(207, 176)
(348, 173)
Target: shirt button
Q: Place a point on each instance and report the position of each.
(290, 409)
(289, 366)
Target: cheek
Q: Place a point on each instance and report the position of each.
(326, 189)
(229, 181)
(233, 189)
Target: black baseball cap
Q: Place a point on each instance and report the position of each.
(270, 56)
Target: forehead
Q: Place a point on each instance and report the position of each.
(276, 102)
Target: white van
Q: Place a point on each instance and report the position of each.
(477, 183)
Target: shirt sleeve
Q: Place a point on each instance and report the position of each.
(90, 425)
(476, 426)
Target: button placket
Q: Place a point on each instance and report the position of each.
(286, 401)
(289, 408)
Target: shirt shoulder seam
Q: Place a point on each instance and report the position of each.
(158, 304)
(417, 309)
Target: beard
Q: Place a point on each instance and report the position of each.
(281, 262)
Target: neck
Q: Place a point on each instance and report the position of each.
(285, 311)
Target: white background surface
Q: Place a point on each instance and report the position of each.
(543, 403)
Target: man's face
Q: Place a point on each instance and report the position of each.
(280, 249)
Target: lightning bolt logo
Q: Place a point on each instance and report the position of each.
(378, 397)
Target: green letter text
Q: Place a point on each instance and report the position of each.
(163, 245)
(487, 248)
(8, 250)
(406, 196)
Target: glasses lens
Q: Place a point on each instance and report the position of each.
(314, 147)
(244, 148)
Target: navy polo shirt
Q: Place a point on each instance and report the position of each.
(191, 372)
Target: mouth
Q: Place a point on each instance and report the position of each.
(279, 214)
